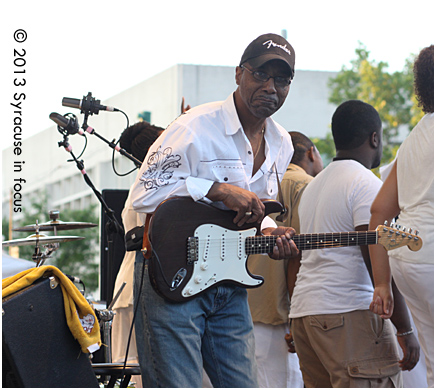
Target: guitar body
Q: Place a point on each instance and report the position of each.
(186, 259)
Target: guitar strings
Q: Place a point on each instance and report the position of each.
(254, 243)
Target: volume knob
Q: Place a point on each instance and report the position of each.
(198, 279)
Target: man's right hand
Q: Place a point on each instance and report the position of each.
(382, 302)
(248, 206)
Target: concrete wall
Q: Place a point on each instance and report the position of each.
(306, 109)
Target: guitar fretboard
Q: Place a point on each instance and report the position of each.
(265, 244)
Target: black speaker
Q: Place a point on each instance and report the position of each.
(38, 347)
(111, 254)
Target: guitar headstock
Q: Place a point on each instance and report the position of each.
(392, 237)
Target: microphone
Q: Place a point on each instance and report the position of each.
(87, 104)
(69, 124)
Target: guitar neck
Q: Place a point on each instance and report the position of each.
(265, 244)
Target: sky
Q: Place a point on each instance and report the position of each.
(106, 47)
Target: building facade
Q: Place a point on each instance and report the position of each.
(159, 97)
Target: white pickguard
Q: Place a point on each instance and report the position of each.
(221, 256)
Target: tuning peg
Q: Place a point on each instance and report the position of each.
(416, 232)
(410, 230)
(386, 223)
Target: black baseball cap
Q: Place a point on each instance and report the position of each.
(269, 47)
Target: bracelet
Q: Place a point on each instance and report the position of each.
(405, 333)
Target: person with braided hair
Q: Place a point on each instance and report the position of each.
(136, 140)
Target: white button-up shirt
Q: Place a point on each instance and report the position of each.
(207, 144)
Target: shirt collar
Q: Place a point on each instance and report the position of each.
(233, 124)
(295, 167)
(273, 135)
(231, 118)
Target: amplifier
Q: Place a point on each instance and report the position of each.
(38, 347)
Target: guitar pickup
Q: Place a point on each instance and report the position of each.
(192, 248)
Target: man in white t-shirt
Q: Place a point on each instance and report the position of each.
(339, 341)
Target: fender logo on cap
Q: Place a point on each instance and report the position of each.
(270, 43)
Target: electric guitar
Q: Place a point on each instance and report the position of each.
(190, 255)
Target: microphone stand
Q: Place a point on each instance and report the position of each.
(112, 226)
(111, 144)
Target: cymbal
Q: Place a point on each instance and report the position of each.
(55, 224)
(40, 239)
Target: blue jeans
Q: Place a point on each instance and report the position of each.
(176, 340)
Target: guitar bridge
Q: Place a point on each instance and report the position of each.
(192, 255)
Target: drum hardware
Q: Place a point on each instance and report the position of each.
(41, 239)
(50, 244)
(105, 318)
(55, 224)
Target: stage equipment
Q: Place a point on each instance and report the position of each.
(50, 243)
(113, 235)
(40, 239)
(68, 123)
(38, 347)
(112, 247)
(117, 371)
(55, 225)
(87, 105)
(111, 224)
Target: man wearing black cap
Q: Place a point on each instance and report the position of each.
(230, 152)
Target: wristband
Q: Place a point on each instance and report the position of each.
(405, 333)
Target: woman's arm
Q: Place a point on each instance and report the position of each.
(384, 208)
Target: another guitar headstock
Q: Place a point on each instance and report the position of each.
(392, 237)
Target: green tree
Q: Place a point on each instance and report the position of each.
(76, 258)
(391, 94)
(326, 147)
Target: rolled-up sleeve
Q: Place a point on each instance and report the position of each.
(198, 187)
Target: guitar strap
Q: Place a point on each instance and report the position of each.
(146, 246)
(282, 216)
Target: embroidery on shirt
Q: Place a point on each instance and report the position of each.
(159, 170)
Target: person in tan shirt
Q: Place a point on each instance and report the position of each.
(269, 304)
